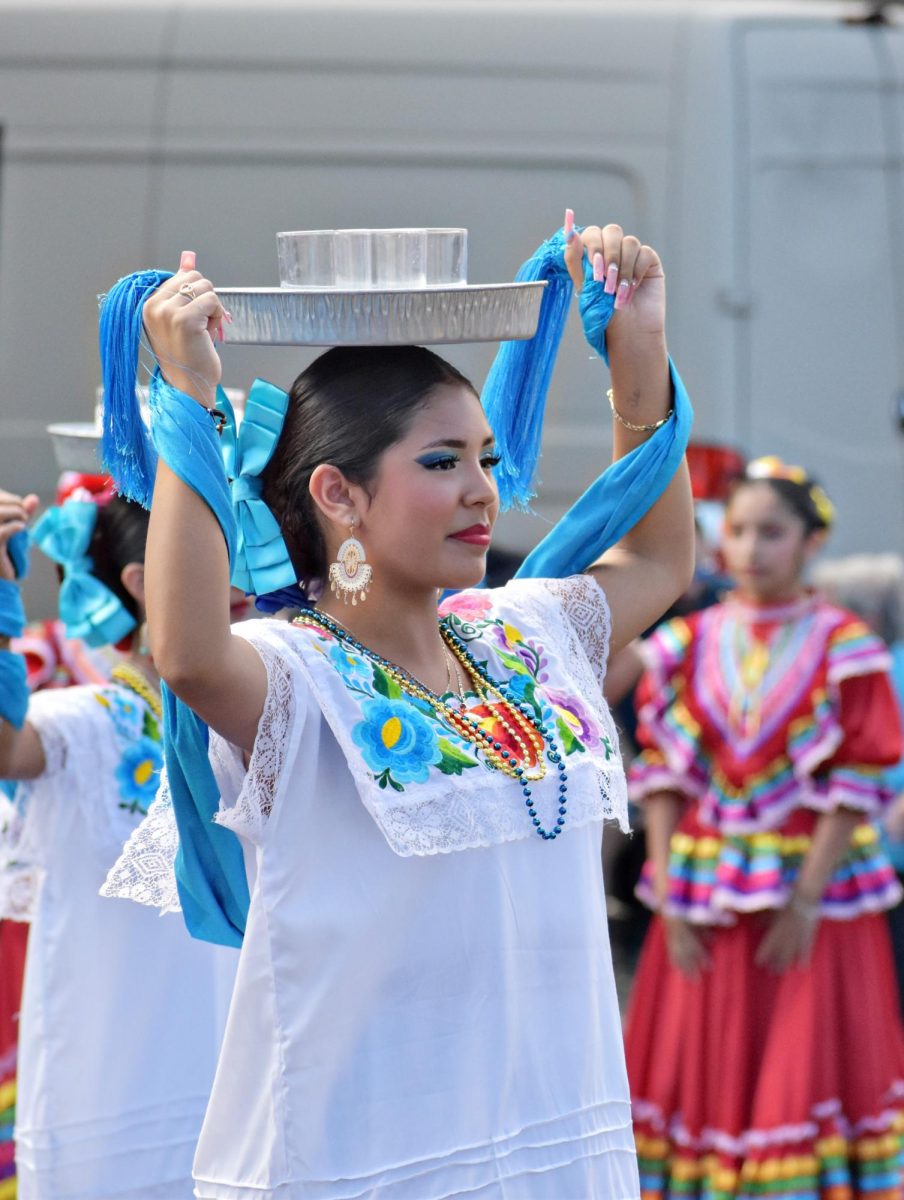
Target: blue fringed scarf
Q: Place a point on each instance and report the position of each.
(514, 395)
(126, 449)
(616, 501)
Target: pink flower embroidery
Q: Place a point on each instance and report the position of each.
(470, 606)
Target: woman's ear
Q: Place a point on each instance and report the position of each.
(814, 543)
(332, 493)
(132, 579)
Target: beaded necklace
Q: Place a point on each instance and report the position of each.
(135, 680)
(516, 717)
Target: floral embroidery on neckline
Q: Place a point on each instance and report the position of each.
(402, 740)
(139, 739)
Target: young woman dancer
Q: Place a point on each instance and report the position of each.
(122, 1012)
(764, 1047)
(425, 1005)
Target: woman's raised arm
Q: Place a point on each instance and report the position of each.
(653, 564)
(21, 752)
(220, 676)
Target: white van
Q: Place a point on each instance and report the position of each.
(759, 146)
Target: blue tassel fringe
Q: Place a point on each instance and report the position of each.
(126, 449)
(514, 396)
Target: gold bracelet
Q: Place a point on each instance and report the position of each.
(637, 428)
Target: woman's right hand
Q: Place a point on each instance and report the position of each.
(687, 946)
(15, 513)
(182, 327)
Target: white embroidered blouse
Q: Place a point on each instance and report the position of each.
(425, 1004)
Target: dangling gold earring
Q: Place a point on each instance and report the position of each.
(351, 574)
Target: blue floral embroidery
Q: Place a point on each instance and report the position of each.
(138, 772)
(127, 713)
(397, 742)
(353, 669)
(400, 737)
(519, 685)
(138, 738)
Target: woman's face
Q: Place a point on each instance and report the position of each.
(765, 544)
(433, 502)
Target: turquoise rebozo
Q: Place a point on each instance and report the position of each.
(210, 871)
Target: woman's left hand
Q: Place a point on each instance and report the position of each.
(15, 513)
(627, 269)
(789, 939)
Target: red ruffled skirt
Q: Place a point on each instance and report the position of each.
(13, 941)
(750, 1084)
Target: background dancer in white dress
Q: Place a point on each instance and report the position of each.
(122, 1012)
(424, 1005)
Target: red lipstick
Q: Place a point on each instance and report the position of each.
(474, 535)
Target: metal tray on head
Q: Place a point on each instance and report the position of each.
(401, 317)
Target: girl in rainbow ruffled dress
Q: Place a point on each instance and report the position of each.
(764, 1046)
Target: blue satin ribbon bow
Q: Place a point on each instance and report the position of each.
(88, 609)
(262, 562)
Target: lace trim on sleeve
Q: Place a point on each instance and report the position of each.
(584, 604)
(247, 796)
(145, 870)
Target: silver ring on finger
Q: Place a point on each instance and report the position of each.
(187, 289)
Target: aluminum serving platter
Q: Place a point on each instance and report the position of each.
(75, 447)
(76, 444)
(390, 317)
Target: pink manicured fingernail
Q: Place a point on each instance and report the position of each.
(623, 295)
(599, 267)
(227, 316)
(187, 261)
(569, 224)
(611, 279)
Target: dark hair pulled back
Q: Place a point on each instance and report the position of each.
(798, 497)
(346, 409)
(119, 538)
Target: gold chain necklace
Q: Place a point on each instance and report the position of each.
(136, 681)
(459, 684)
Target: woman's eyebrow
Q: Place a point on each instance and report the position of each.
(456, 443)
